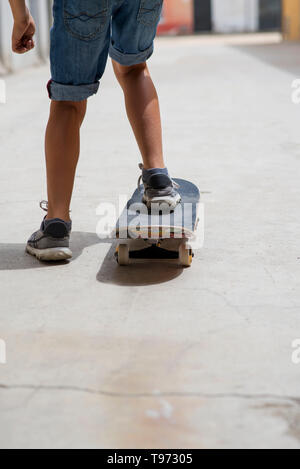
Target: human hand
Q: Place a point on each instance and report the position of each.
(23, 32)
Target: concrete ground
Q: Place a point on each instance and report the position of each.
(152, 355)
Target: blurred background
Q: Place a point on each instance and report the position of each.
(220, 16)
(154, 356)
(179, 17)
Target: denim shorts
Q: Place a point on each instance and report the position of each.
(85, 32)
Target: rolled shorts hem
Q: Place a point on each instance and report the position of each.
(130, 59)
(60, 92)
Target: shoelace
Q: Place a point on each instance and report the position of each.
(139, 185)
(44, 205)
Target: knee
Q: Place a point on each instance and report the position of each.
(76, 109)
(124, 71)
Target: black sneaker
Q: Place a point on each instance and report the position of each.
(52, 241)
(159, 187)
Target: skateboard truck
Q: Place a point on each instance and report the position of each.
(184, 254)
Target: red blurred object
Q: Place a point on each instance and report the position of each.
(177, 17)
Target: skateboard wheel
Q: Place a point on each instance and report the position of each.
(123, 254)
(185, 255)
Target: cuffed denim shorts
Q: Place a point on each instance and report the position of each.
(85, 32)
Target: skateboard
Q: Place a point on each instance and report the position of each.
(158, 232)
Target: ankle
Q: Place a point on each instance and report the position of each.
(148, 168)
(154, 163)
(62, 215)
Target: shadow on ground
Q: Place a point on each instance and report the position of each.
(138, 273)
(14, 257)
(284, 56)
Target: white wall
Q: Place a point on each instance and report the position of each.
(235, 15)
(12, 62)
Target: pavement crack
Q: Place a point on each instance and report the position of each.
(155, 394)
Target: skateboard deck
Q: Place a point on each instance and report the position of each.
(158, 224)
(137, 221)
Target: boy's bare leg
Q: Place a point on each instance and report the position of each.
(62, 146)
(143, 111)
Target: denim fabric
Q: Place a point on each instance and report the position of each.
(85, 32)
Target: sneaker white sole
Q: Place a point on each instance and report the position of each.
(172, 202)
(51, 254)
